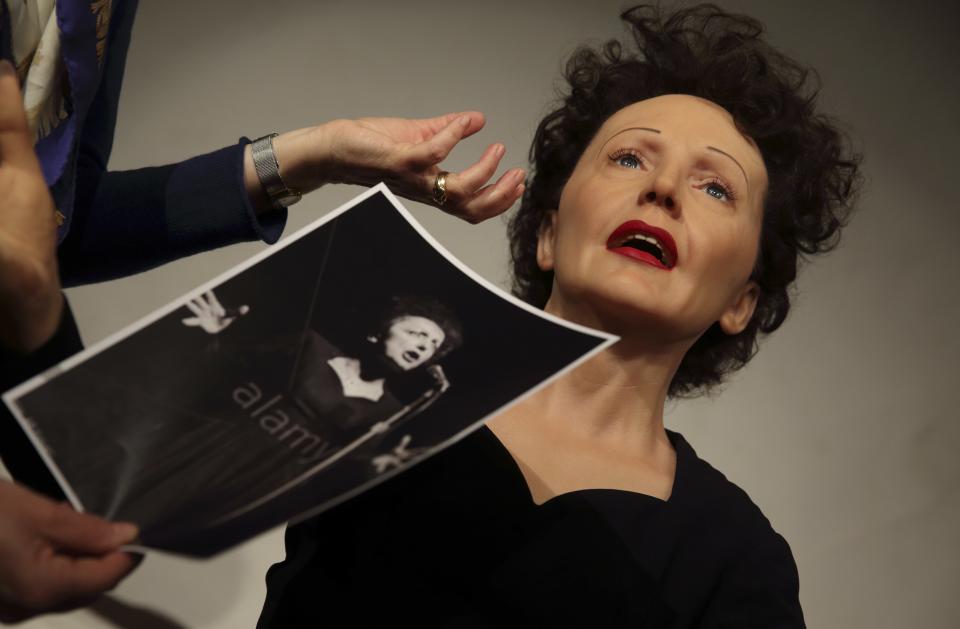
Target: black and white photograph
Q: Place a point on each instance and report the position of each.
(308, 374)
(663, 334)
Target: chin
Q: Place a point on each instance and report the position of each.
(622, 312)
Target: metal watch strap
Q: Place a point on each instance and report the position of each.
(268, 172)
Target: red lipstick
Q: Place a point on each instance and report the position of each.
(645, 243)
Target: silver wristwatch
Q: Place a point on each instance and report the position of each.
(268, 172)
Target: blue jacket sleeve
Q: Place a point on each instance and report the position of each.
(125, 222)
(130, 221)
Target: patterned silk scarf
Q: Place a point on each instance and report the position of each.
(36, 53)
(58, 47)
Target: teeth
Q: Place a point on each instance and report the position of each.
(650, 239)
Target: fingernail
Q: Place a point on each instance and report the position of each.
(125, 532)
(6, 68)
(464, 120)
(520, 174)
(499, 151)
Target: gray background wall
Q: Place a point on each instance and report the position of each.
(843, 428)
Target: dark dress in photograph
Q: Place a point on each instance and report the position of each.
(188, 444)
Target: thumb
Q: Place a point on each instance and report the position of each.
(82, 533)
(16, 143)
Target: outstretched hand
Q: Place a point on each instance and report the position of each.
(396, 457)
(210, 315)
(406, 154)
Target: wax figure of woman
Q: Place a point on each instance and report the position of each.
(111, 223)
(674, 191)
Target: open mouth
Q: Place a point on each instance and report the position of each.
(411, 356)
(637, 240)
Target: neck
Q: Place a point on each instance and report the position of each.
(352, 383)
(617, 396)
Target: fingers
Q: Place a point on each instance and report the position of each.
(82, 533)
(214, 303)
(433, 126)
(53, 558)
(197, 307)
(469, 199)
(16, 145)
(68, 582)
(435, 150)
(191, 322)
(468, 196)
(467, 182)
(494, 199)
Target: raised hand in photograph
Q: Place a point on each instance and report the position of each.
(210, 315)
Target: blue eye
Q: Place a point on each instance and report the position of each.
(717, 191)
(626, 159)
(720, 191)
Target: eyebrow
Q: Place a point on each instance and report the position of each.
(712, 148)
(423, 333)
(605, 142)
(747, 181)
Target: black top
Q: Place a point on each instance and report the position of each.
(17, 451)
(457, 541)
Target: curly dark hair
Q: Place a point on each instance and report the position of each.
(703, 51)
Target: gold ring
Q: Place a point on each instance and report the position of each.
(440, 187)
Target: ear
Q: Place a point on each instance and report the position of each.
(737, 315)
(546, 241)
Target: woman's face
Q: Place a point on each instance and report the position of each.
(658, 226)
(412, 341)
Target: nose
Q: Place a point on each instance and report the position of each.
(662, 189)
(665, 199)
